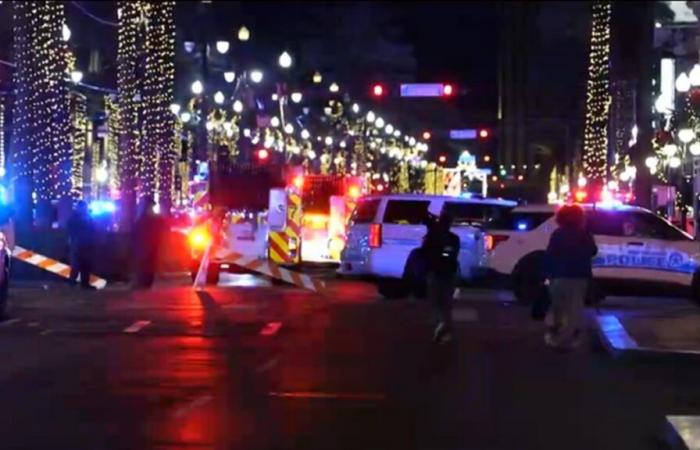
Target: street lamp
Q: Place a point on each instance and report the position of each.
(355, 108)
(328, 140)
(317, 78)
(289, 128)
(694, 149)
(686, 135)
(76, 76)
(229, 76)
(670, 150)
(256, 76)
(389, 128)
(65, 33)
(305, 134)
(238, 106)
(175, 108)
(682, 83)
(101, 175)
(185, 117)
(222, 47)
(243, 34)
(334, 87)
(285, 60)
(371, 117)
(197, 87)
(674, 162)
(296, 97)
(275, 122)
(219, 98)
(379, 123)
(694, 76)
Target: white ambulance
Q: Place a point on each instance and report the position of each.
(634, 245)
(384, 230)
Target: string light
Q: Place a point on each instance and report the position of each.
(595, 139)
(79, 133)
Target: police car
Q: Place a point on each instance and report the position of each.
(633, 245)
(384, 230)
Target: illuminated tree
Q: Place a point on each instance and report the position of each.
(595, 138)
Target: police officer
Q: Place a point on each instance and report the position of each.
(441, 248)
(81, 240)
(149, 232)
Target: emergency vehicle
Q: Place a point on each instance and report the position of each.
(384, 229)
(302, 220)
(633, 245)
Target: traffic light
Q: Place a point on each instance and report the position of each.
(484, 133)
(447, 90)
(262, 155)
(378, 90)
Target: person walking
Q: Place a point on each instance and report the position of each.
(149, 231)
(441, 248)
(570, 252)
(81, 241)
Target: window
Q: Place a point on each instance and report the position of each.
(654, 227)
(464, 213)
(519, 221)
(365, 211)
(604, 223)
(406, 212)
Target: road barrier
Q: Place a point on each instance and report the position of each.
(52, 265)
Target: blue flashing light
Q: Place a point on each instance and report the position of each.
(522, 226)
(102, 207)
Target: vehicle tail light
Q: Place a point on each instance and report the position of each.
(492, 240)
(375, 235)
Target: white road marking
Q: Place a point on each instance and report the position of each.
(7, 322)
(196, 403)
(33, 324)
(45, 332)
(137, 326)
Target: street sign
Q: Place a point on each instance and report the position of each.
(465, 133)
(422, 90)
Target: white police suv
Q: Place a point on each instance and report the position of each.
(633, 245)
(384, 230)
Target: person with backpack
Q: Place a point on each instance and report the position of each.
(441, 250)
(569, 258)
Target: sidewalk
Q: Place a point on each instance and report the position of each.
(651, 332)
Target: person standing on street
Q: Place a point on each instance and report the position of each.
(569, 255)
(149, 231)
(441, 248)
(81, 240)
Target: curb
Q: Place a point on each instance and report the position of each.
(617, 341)
(683, 432)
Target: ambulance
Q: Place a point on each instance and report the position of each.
(634, 246)
(302, 221)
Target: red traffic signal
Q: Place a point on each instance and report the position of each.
(484, 133)
(378, 90)
(447, 90)
(263, 154)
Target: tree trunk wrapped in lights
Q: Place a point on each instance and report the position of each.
(79, 125)
(159, 121)
(112, 141)
(130, 19)
(595, 138)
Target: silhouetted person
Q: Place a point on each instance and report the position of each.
(149, 231)
(570, 252)
(441, 248)
(81, 240)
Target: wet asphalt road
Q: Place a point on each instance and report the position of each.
(247, 365)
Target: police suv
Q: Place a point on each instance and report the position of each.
(633, 245)
(384, 230)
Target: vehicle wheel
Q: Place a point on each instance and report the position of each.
(213, 273)
(4, 292)
(392, 288)
(528, 278)
(695, 289)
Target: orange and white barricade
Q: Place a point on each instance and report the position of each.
(52, 265)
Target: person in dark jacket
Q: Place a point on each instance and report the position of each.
(149, 232)
(81, 241)
(441, 248)
(569, 255)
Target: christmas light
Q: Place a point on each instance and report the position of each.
(296, 97)
(197, 87)
(317, 78)
(334, 87)
(243, 34)
(222, 47)
(229, 76)
(595, 139)
(285, 60)
(237, 106)
(256, 76)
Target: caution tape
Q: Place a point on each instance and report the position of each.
(51, 265)
(271, 269)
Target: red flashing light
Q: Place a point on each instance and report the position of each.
(447, 90)
(263, 154)
(580, 196)
(354, 191)
(484, 133)
(380, 187)
(442, 158)
(427, 135)
(378, 90)
(375, 235)
(298, 181)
